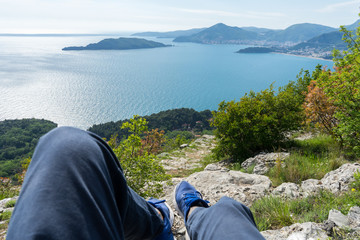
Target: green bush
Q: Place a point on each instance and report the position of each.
(143, 171)
(258, 122)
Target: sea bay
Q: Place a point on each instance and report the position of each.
(82, 88)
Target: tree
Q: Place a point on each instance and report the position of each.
(142, 169)
(319, 109)
(342, 87)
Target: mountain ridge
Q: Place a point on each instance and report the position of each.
(224, 34)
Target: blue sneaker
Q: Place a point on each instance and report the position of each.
(185, 197)
(168, 216)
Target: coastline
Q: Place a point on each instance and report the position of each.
(291, 54)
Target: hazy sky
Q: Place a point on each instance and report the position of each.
(101, 16)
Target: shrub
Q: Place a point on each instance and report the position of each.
(143, 171)
(319, 109)
(257, 122)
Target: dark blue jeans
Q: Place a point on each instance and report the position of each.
(75, 189)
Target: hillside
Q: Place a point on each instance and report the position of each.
(119, 44)
(326, 42)
(17, 141)
(169, 120)
(298, 33)
(221, 33)
(218, 34)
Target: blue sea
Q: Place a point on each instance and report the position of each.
(82, 88)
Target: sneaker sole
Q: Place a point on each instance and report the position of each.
(171, 214)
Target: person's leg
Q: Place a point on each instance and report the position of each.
(227, 219)
(75, 189)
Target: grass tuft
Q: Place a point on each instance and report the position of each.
(311, 158)
(274, 212)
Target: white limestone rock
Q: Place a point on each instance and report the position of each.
(287, 190)
(338, 218)
(264, 161)
(338, 180)
(297, 231)
(310, 187)
(354, 217)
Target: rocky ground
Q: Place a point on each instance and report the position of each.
(217, 180)
(188, 157)
(6, 206)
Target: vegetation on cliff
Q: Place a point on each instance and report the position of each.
(260, 121)
(119, 44)
(169, 120)
(18, 139)
(329, 100)
(137, 157)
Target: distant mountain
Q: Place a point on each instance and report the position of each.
(172, 34)
(298, 33)
(220, 33)
(326, 41)
(119, 44)
(353, 26)
(259, 30)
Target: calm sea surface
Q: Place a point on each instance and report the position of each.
(82, 88)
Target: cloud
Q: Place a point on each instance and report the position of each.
(336, 6)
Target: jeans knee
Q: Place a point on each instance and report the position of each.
(65, 141)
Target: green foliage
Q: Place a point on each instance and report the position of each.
(6, 215)
(18, 139)
(355, 186)
(170, 120)
(258, 121)
(143, 171)
(10, 204)
(275, 212)
(311, 158)
(271, 213)
(7, 190)
(342, 87)
(175, 139)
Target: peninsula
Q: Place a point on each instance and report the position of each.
(119, 44)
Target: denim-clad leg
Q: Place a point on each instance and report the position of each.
(75, 189)
(227, 219)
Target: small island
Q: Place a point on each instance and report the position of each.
(256, 50)
(119, 44)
